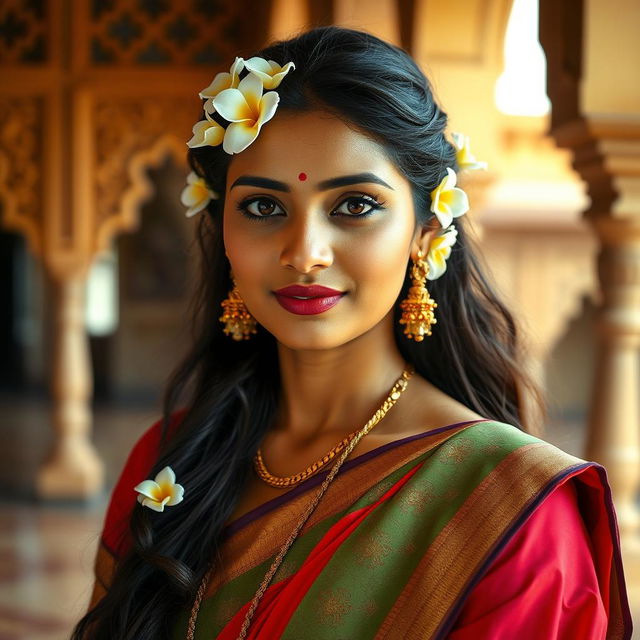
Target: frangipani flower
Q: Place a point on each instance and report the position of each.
(466, 160)
(206, 132)
(269, 72)
(439, 251)
(247, 110)
(162, 491)
(221, 82)
(448, 201)
(196, 195)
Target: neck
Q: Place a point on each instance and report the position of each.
(335, 392)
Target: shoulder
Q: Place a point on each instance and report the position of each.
(140, 461)
(544, 581)
(508, 446)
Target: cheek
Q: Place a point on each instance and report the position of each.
(245, 253)
(382, 257)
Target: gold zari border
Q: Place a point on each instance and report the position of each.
(263, 537)
(458, 551)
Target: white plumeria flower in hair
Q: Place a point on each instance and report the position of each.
(466, 160)
(221, 82)
(447, 200)
(269, 71)
(440, 250)
(206, 132)
(247, 110)
(161, 492)
(196, 195)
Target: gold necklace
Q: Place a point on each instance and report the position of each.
(390, 400)
(292, 481)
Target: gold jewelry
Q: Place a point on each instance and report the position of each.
(417, 307)
(390, 400)
(236, 317)
(292, 481)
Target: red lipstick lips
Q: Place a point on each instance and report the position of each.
(307, 300)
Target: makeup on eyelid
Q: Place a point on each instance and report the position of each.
(372, 201)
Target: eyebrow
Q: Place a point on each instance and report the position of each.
(356, 178)
(332, 183)
(257, 181)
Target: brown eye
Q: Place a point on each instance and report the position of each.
(265, 207)
(260, 208)
(358, 207)
(355, 206)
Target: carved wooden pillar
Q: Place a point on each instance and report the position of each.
(596, 114)
(72, 468)
(91, 95)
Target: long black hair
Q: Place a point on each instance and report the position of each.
(230, 389)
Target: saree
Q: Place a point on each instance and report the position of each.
(471, 530)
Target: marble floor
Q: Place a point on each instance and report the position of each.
(47, 550)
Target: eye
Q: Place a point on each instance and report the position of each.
(261, 207)
(358, 206)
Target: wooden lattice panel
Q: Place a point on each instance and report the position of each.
(21, 136)
(163, 33)
(23, 32)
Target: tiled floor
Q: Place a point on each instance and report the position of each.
(47, 551)
(46, 557)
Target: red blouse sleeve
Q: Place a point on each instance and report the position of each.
(115, 534)
(543, 584)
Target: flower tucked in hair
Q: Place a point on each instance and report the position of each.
(466, 160)
(448, 201)
(162, 491)
(440, 250)
(206, 132)
(240, 102)
(196, 195)
(247, 109)
(269, 71)
(221, 82)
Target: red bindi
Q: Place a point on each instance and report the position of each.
(302, 176)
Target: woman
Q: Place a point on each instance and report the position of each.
(345, 466)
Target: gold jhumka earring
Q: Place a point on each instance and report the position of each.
(239, 323)
(417, 307)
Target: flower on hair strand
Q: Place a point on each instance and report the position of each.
(160, 492)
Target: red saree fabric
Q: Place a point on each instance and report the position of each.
(544, 583)
(553, 572)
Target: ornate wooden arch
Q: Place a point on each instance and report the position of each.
(120, 212)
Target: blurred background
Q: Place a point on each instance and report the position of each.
(97, 100)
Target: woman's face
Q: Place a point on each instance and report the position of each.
(314, 202)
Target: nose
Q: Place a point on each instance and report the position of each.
(307, 245)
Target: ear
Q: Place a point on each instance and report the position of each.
(423, 236)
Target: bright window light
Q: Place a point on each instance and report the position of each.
(521, 89)
(101, 311)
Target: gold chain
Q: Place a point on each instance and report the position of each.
(292, 481)
(391, 399)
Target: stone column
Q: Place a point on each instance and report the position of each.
(607, 156)
(73, 468)
(614, 418)
(592, 53)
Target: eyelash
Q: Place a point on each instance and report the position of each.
(373, 202)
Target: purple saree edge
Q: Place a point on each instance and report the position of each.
(617, 556)
(451, 617)
(317, 479)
